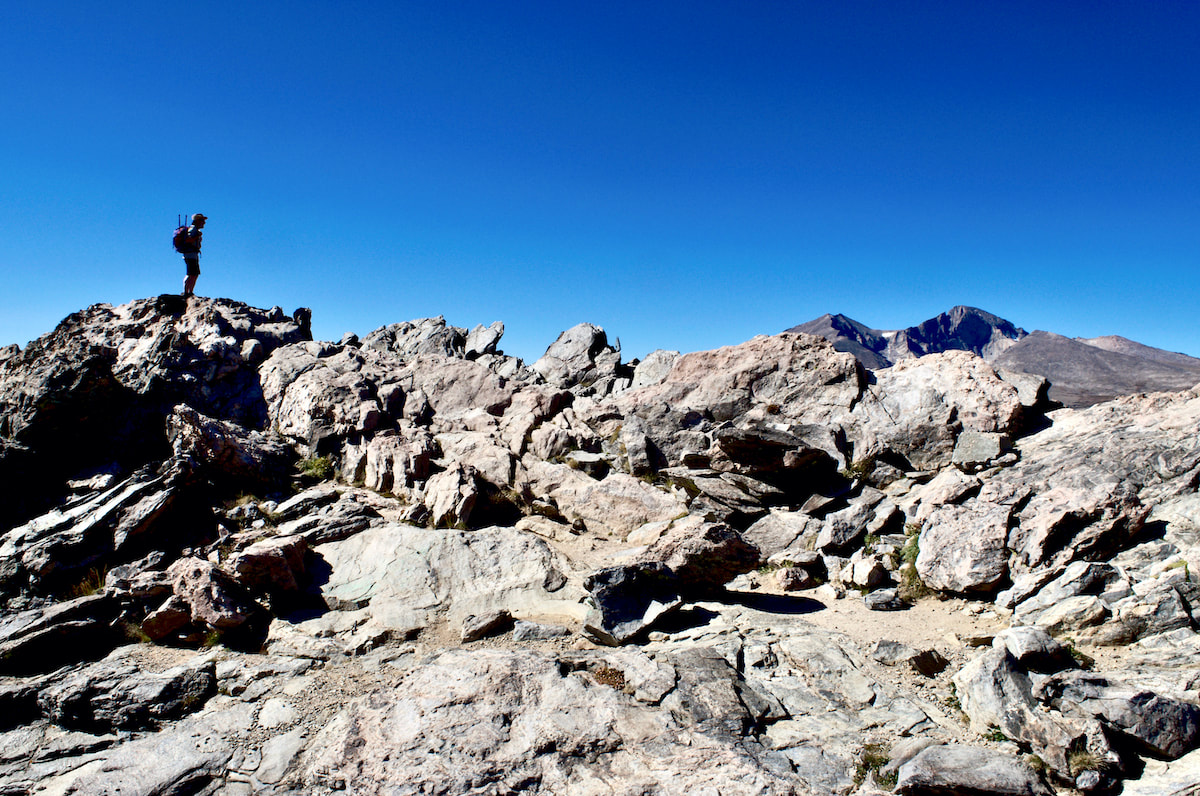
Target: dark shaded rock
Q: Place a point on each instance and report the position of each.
(1157, 725)
(101, 384)
(627, 600)
(228, 451)
(166, 510)
(43, 639)
(1035, 649)
(117, 694)
(18, 702)
(782, 458)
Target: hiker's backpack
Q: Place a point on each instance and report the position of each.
(183, 243)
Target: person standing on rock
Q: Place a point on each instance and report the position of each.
(187, 243)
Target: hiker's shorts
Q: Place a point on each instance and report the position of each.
(193, 264)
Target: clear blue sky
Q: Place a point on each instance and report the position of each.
(684, 174)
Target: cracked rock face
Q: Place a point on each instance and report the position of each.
(237, 560)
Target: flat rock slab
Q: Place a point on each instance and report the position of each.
(968, 771)
(484, 720)
(422, 574)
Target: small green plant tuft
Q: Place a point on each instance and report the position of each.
(1081, 760)
(912, 588)
(133, 632)
(1182, 564)
(1039, 766)
(874, 756)
(859, 470)
(995, 734)
(318, 467)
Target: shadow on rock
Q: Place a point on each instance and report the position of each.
(774, 603)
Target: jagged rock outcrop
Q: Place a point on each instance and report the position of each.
(101, 384)
(409, 562)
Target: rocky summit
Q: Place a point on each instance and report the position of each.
(238, 560)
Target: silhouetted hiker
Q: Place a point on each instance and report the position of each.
(187, 243)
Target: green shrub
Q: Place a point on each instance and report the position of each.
(318, 467)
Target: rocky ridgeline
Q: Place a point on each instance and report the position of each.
(238, 560)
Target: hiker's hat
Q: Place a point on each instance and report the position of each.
(199, 216)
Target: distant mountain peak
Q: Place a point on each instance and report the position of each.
(1081, 371)
(962, 328)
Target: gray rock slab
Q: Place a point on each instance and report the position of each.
(180, 759)
(968, 771)
(496, 719)
(408, 574)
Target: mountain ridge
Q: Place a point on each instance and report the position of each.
(1081, 371)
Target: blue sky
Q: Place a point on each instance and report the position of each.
(684, 174)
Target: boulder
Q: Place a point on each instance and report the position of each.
(1034, 649)
(781, 530)
(845, 529)
(227, 450)
(483, 340)
(704, 556)
(390, 460)
(331, 522)
(975, 449)
(654, 368)
(968, 771)
(628, 599)
(275, 565)
(411, 578)
(580, 356)
(918, 408)
(884, 600)
(963, 548)
(451, 495)
(996, 693)
(212, 597)
(615, 506)
(411, 339)
(505, 721)
(949, 487)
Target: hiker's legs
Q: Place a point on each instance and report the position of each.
(193, 272)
